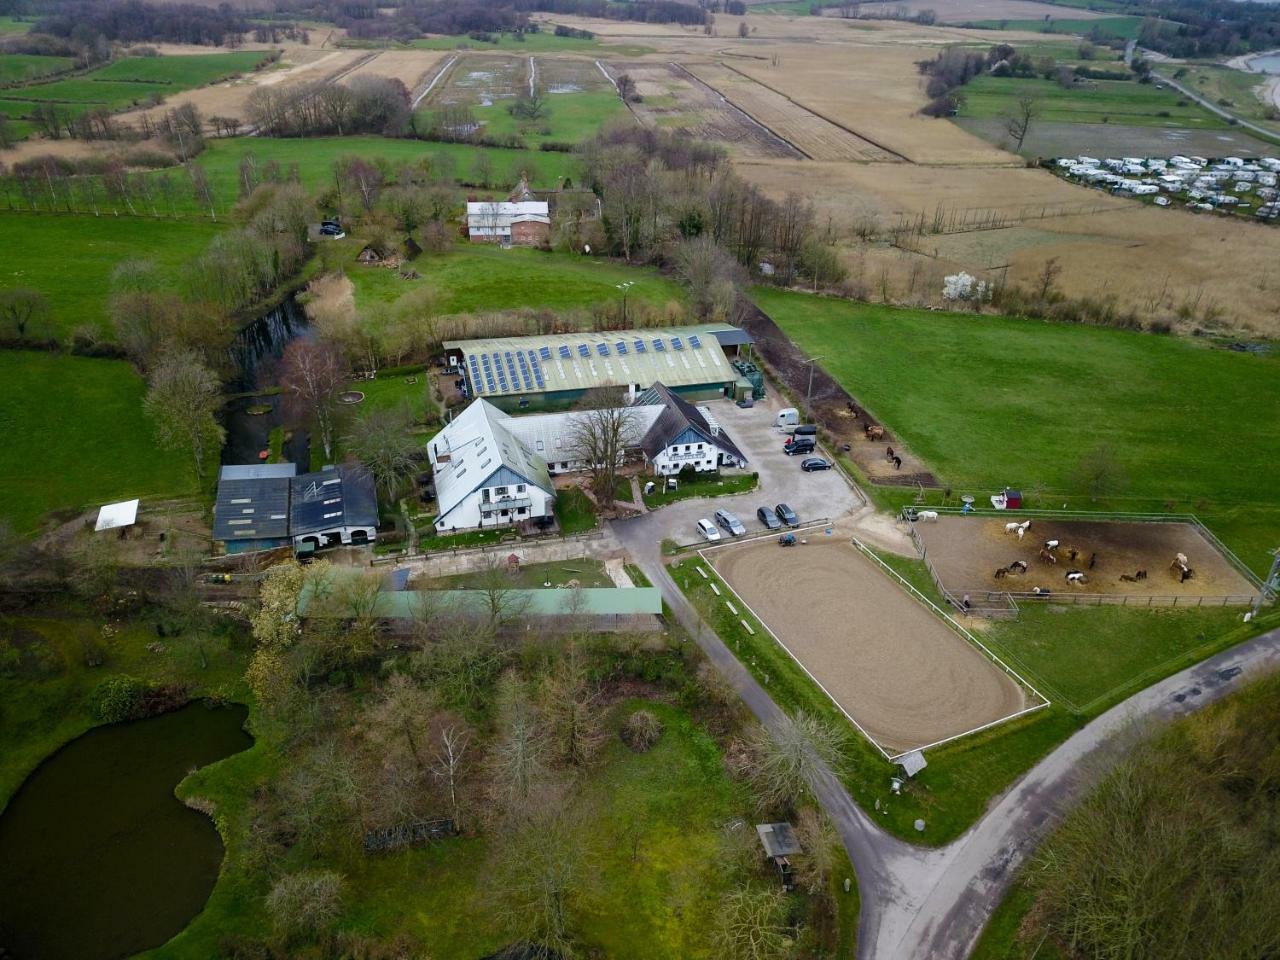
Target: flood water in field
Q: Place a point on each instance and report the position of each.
(1266, 63)
(98, 858)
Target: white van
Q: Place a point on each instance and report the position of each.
(787, 418)
(708, 530)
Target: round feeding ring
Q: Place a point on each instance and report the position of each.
(351, 396)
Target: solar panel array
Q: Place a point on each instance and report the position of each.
(516, 371)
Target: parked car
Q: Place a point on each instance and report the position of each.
(768, 518)
(331, 228)
(787, 515)
(810, 464)
(746, 403)
(730, 523)
(708, 530)
(797, 447)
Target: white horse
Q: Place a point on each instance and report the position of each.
(1075, 576)
(1051, 545)
(927, 515)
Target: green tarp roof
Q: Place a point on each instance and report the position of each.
(588, 601)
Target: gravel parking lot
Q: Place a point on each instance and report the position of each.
(813, 496)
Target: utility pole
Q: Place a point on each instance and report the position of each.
(625, 287)
(808, 406)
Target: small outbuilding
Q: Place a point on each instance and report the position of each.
(1007, 499)
(780, 843)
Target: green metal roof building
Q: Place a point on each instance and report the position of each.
(555, 370)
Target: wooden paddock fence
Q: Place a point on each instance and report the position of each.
(991, 604)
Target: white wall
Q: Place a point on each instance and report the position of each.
(701, 456)
(468, 516)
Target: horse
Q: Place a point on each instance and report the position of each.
(897, 463)
(927, 515)
(1051, 544)
(1011, 528)
(1140, 575)
(1072, 553)
(1018, 566)
(888, 453)
(1076, 576)
(874, 432)
(1001, 573)
(1093, 559)
(1187, 574)
(1125, 578)
(1047, 557)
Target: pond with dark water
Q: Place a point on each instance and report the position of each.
(98, 858)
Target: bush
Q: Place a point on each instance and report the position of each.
(118, 698)
(305, 905)
(641, 731)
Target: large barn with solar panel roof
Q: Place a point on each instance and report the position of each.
(554, 371)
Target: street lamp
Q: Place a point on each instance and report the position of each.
(624, 287)
(808, 407)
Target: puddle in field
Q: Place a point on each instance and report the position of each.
(564, 88)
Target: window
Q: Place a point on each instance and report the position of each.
(687, 448)
(499, 491)
(539, 446)
(520, 488)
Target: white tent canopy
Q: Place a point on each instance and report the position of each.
(113, 515)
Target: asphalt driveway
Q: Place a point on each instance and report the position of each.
(813, 496)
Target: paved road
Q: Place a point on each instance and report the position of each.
(1269, 136)
(918, 903)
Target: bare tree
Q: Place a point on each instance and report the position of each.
(712, 275)
(502, 604)
(1101, 473)
(517, 761)
(600, 435)
(1048, 279)
(23, 309)
(570, 703)
(312, 375)
(751, 924)
(448, 763)
(383, 441)
(789, 757)
(819, 841)
(626, 87)
(1018, 123)
(182, 399)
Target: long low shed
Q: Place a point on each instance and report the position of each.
(627, 608)
(513, 372)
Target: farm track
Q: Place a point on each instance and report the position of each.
(788, 149)
(835, 123)
(814, 136)
(431, 85)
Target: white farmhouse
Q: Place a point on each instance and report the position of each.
(685, 436)
(484, 475)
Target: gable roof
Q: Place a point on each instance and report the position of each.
(252, 504)
(339, 497)
(678, 417)
(475, 446)
(547, 363)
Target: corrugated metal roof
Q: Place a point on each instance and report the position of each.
(473, 447)
(551, 435)
(251, 509)
(343, 497)
(508, 366)
(590, 601)
(256, 471)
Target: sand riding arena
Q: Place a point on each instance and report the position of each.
(906, 677)
(1122, 561)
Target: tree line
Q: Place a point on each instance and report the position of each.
(137, 21)
(674, 201)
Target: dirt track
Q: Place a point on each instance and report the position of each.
(885, 658)
(967, 550)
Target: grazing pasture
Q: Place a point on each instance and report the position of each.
(1099, 101)
(21, 67)
(990, 401)
(76, 435)
(77, 287)
(129, 81)
(1126, 28)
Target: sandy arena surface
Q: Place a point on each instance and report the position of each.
(967, 550)
(897, 669)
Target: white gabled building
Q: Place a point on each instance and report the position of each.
(484, 475)
(552, 435)
(685, 436)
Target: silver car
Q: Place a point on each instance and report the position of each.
(730, 523)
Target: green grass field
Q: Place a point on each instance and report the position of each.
(14, 25)
(132, 80)
(473, 278)
(1234, 90)
(989, 401)
(78, 287)
(1102, 101)
(1126, 27)
(20, 67)
(570, 118)
(534, 576)
(76, 435)
(542, 42)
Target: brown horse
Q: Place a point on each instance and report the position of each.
(1047, 557)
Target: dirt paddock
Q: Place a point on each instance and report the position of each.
(887, 660)
(966, 551)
